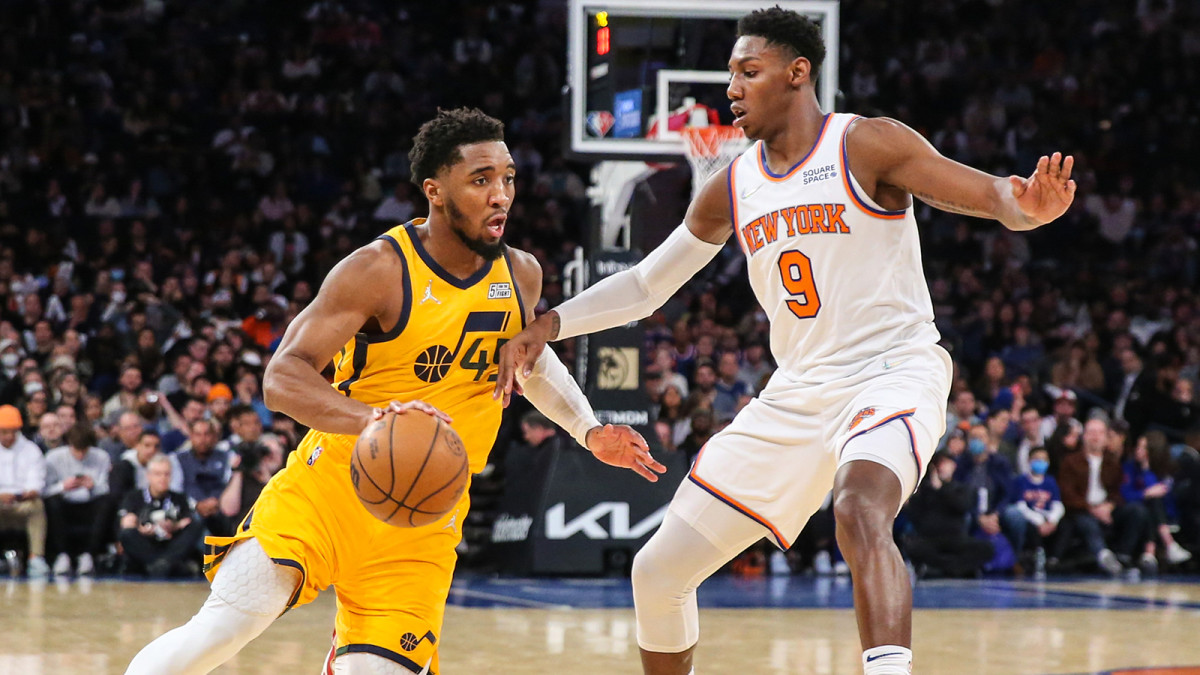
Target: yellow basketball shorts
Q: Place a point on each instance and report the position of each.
(391, 582)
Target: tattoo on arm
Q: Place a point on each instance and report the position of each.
(555, 325)
(952, 207)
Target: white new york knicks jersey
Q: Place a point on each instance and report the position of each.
(839, 277)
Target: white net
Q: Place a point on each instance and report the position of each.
(710, 149)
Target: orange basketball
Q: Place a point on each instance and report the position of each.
(409, 469)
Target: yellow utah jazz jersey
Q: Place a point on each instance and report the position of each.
(445, 346)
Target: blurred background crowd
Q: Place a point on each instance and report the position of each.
(176, 179)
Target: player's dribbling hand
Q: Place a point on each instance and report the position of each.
(621, 446)
(399, 408)
(1048, 193)
(518, 355)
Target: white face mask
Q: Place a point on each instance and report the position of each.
(10, 360)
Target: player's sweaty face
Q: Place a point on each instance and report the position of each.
(758, 86)
(479, 191)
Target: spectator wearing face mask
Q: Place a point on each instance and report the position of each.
(989, 477)
(1037, 508)
(10, 376)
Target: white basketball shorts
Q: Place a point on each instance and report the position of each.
(776, 461)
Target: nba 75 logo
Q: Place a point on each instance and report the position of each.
(860, 416)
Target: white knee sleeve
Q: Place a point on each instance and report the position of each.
(359, 663)
(668, 569)
(248, 593)
(251, 583)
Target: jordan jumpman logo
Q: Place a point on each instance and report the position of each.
(429, 294)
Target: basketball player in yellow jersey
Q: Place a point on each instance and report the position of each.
(412, 323)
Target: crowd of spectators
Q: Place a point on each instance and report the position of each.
(176, 179)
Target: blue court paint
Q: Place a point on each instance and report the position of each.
(801, 593)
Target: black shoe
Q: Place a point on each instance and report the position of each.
(159, 569)
(187, 568)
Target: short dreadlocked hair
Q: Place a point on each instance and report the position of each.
(436, 144)
(790, 30)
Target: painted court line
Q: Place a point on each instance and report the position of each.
(1130, 601)
(512, 600)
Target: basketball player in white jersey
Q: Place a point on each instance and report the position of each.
(822, 207)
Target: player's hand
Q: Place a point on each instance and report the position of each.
(1048, 193)
(399, 408)
(621, 446)
(520, 353)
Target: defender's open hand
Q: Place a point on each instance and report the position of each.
(620, 445)
(1048, 193)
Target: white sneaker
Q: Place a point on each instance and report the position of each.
(1107, 560)
(62, 564)
(84, 564)
(1148, 563)
(1177, 554)
(822, 563)
(38, 569)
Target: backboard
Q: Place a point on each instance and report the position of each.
(634, 63)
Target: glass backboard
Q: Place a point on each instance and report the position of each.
(634, 63)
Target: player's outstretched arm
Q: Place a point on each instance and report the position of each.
(293, 383)
(552, 390)
(631, 294)
(891, 154)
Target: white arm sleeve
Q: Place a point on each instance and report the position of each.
(552, 390)
(635, 293)
(1055, 512)
(1030, 514)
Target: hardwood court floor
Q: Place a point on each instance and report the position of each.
(794, 625)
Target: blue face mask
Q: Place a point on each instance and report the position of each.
(976, 447)
(1039, 466)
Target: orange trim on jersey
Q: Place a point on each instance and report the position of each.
(779, 178)
(732, 183)
(735, 504)
(889, 418)
(858, 201)
(912, 438)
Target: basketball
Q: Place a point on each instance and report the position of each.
(409, 469)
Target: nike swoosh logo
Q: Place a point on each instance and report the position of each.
(746, 193)
(880, 656)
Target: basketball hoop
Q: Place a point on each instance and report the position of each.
(711, 148)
